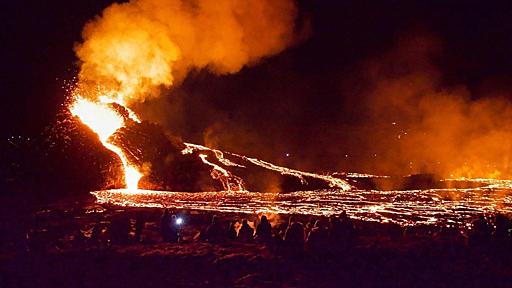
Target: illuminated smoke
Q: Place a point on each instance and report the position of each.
(134, 48)
(416, 123)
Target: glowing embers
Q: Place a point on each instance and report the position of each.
(104, 120)
(440, 206)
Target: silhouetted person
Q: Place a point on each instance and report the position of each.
(96, 230)
(350, 229)
(317, 240)
(246, 233)
(294, 237)
(291, 220)
(119, 229)
(342, 232)
(165, 225)
(169, 227)
(449, 239)
(481, 231)
(335, 229)
(264, 230)
(502, 224)
(215, 231)
(174, 235)
(277, 242)
(232, 231)
(481, 226)
(139, 226)
(309, 226)
(281, 230)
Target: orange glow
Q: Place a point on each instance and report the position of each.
(454, 207)
(99, 117)
(331, 181)
(139, 46)
(105, 121)
(135, 48)
(228, 180)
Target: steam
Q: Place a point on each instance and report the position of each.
(135, 48)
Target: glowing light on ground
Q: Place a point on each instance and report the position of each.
(432, 206)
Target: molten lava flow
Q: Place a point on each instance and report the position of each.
(332, 181)
(228, 180)
(136, 47)
(451, 207)
(104, 118)
(105, 121)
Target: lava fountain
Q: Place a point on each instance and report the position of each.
(105, 121)
(135, 48)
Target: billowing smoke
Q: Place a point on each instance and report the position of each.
(397, 113)
(135, 48)
(417, 123)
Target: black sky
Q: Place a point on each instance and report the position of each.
(285, 101)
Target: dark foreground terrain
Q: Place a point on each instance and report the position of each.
(54, 247)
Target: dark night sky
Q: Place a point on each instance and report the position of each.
(287, 98)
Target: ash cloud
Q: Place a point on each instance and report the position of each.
(137, 47)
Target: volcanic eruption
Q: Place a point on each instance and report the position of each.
(134, 49)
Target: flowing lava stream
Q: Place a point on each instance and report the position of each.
(105, 121)
(448, 206)
(452, 207)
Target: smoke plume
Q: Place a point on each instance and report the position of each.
(416, 123)
(135, 48)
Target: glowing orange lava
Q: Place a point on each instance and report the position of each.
(228, 180)
(331, 181)
(105, 121)
(450, 207)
